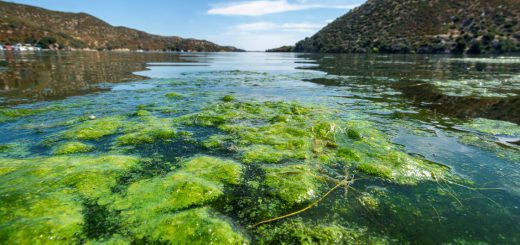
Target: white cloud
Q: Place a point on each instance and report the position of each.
(264, 7)
(269, 26)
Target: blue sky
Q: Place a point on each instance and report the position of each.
(250, 24)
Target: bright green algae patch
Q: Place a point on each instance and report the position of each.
(213, 169)
(278, 132)
(42, 198)
(72, 147)
(42, 206)
(195, 226)
(95, 129)
(148, 210)
(147, 129)
(199, 180)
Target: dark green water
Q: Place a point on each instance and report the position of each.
(423, 102)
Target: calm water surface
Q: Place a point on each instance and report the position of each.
(421, 101)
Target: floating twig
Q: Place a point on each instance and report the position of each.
(345, 182)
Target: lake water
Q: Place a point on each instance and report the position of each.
(459, 112)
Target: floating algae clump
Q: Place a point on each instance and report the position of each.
(493, 127)
(42, 198)
(214, 169)
(279, 132)
(72, 147)
(170, 193)
(195, 226)
(55, 216)
(148, 209)
(375, 170)
(147, 130)
(264, 154)
(374, 154)
(13, 114)
(198, 181)
(293, 183)
(228, 98)
(4, 147)
(258, 129)
(95, 129)
(174, 95)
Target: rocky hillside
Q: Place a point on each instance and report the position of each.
(27, 24)
(422, 26)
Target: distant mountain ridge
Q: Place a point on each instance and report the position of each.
(27, 24)
(422, 26)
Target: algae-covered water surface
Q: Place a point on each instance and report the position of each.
(254, 148)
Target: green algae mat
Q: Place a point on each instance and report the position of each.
(279, 157)
(263, 163)
(195, 160)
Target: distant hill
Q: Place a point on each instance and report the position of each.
(27, 24)
(281, 49)
(422, 26)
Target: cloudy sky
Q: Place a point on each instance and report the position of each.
(251, 25)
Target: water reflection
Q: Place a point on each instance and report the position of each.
(29, 77)
(427, 96)
(456, 87)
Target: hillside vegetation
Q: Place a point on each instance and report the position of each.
(27, 24)
(422, 26)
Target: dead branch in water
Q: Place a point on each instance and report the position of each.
(346, 182)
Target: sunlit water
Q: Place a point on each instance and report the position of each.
(421, 101)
